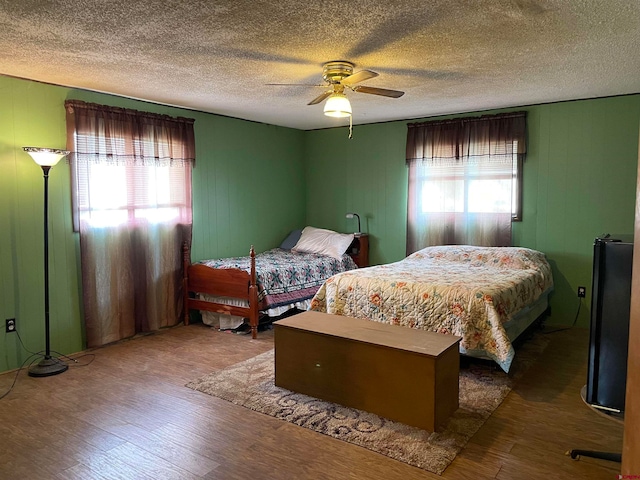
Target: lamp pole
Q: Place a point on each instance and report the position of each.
(45, 171)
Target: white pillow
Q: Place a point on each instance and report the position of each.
(325, 242)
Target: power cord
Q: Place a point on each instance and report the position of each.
(575, 320)
(74, 360)
(22, 343)
(34, 356)
(15, 379)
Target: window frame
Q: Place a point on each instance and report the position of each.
(517, 179)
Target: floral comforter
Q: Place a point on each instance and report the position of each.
(463, 290)
(284, 277)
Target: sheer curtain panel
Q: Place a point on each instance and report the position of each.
(131, 196)
(465, 180)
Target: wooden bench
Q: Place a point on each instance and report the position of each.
(400, 373)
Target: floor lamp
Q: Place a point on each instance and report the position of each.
(46, 158)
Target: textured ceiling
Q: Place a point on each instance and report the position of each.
(449, 56)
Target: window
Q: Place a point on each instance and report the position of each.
(129, 167)
(465, 180)
(131, 194)
(465, 188)
(110, 194)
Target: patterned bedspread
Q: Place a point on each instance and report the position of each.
(284, 277)
(467, 291)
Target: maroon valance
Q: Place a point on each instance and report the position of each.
(122, 135)
(467, 137)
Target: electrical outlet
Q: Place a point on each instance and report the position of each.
(10, 325)
(582, 292)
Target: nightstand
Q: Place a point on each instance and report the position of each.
(359, 249)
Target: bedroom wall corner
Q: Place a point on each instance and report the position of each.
(248, 186)
(366, 175)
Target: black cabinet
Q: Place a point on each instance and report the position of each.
(609, 336)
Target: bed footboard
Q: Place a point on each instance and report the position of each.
(221, 282)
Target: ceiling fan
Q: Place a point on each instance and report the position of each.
(339, 75)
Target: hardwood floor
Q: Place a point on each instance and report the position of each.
(127, 415)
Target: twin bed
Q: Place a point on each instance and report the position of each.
(486, 295)
(269, 283)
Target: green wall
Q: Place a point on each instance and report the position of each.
(32, 114)
(248, 188)
(253, 183)
(579, 182)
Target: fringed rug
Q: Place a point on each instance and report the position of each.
(483, 387)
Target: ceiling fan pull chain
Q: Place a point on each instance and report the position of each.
(350, 126)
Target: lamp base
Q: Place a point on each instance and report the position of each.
(48, 366)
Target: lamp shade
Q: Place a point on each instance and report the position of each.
(337, 105)
(46, 157)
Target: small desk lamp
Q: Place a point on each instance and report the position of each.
(351, 215)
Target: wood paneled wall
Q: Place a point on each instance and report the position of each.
(579, 182)
(248, 188)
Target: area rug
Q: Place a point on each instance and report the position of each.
(483, 387)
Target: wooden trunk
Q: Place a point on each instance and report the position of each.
(400, 373)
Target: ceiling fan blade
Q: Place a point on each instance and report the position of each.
(358, 77)
(320, 98)
(379, 91)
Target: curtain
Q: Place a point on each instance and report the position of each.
(465, 180)
(131, 197)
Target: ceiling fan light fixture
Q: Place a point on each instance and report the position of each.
(337, 105)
